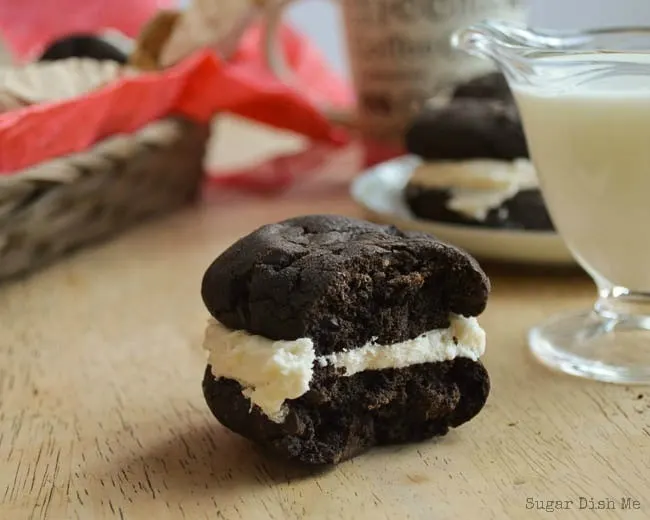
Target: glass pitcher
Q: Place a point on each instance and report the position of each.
(584, 99)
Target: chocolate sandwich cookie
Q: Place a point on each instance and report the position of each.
(485, 193)
(476, 170)
(331, 335)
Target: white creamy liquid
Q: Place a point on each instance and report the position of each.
(590, 144)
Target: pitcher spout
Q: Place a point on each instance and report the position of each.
(482, 40)
(511, 45)
(502, 40)
(499, 42)
(516, 49)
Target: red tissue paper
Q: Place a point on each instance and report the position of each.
(199, 87)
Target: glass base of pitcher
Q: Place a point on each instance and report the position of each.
(605, 346)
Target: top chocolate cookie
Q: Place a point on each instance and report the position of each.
(480, 122)
(341, 282)
(490, 86)
(468, 128)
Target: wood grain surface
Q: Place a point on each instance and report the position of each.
(101, 412)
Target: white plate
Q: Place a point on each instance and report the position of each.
(379, 191)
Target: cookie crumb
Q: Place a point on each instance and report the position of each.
(417, 478)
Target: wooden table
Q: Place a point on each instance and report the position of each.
(101, 412)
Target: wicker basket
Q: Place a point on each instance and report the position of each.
(61, 205)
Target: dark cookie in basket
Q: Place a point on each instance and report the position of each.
(468, 128)
(83, 46)
(331, 335)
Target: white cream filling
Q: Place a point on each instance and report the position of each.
(273, 371)
(477, 186)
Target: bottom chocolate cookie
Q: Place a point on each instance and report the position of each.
(341, 417)
(525, 210)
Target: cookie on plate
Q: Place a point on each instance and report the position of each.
(475, 168)
(331, 335)
(491, 86)
(486, 193)
(466, 129)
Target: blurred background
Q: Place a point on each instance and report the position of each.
(319, 19)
